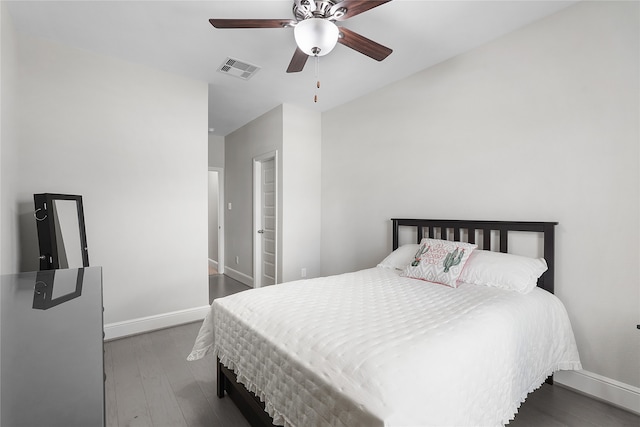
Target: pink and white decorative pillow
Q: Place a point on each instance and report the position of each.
(439, 261)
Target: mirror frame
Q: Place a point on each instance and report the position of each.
(45, 220)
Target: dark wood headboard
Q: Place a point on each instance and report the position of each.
(453, 230)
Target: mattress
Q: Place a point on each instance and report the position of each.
(371, 348)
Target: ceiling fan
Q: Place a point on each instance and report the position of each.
(315, 31)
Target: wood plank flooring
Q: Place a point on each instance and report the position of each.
(221, 286)
(150, 383)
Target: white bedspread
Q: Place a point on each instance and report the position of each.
(371, 348)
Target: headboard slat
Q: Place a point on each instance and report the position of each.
(486, 239)
(504, 244)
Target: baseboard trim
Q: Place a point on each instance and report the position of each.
(609, 390)
(213, 263)
(240, 277)
(151, 323)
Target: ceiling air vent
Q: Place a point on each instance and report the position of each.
(239, 69)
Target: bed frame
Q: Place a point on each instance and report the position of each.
(484, 232)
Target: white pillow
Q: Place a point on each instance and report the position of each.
(439, 261)
(500, 270)
(401, 257)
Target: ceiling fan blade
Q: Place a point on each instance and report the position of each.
(363, 45)
(297, 62)
(355, 7)
(251, 23)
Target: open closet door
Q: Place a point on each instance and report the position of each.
(265, 220)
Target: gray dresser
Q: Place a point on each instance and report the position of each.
(51, 348)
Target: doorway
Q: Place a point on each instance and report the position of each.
(265, 219)
(216, 221)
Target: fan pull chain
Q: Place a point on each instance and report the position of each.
(315, 97)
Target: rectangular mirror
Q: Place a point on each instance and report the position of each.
(54, 287)
(61, 233)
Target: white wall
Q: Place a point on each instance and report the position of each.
(542, 124)
(8, 145)
(301, 193)
(216, 151)
(133, 142)
(3, 31)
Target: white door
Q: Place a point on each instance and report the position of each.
(266, 218)
(216, 220)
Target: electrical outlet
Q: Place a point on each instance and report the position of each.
(303, 273)
(237, 260)
(229, 206)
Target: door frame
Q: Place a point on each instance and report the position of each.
(220, 217)
(257, 215)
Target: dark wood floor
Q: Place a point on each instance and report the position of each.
(150, 383)
(221, 286)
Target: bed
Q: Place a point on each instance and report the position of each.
(394, 345)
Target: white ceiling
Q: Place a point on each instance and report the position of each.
(176, 36)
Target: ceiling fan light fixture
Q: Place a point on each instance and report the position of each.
(316, 36)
